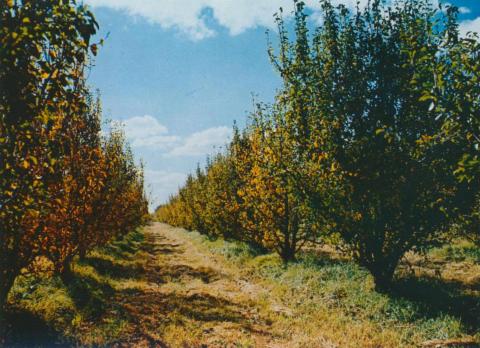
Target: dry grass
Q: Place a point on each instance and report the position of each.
(327, 298)
(169, 287)
(155, 292)
(52, 313)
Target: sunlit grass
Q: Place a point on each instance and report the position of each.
(82, 311)
(333, 298)
(322, 299)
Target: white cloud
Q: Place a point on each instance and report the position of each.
(157, 141)
(146, 131)
(162, 184)
(165, 177)
(188, 16)
(470, 26)
(464, 10)
(446, 5)
(239, 16)
(140, 126)
(147, 135)
(203, 142)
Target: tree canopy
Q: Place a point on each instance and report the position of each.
(372, 143)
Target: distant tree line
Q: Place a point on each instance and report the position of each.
(64, 187)
(372, 143)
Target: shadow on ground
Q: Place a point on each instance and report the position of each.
(155, 311)
(144, 308)
(115, 270)
(147, 309)
(432, 297)
(435, 297)
(156, 245)
(90, 296)
(161, 274)
(29, 331)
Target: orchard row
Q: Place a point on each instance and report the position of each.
(65, 186)
(372, 143)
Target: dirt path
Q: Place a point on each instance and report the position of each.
(191, 300)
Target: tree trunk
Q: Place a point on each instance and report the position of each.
(383, 283)
(66, 273)
(3, 320)
(3, 325)
(82, 254)
(383, 276)
(5, 285)
(287, 254)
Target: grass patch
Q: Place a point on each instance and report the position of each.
(458, 252)
(44, 312)
(334, 298)
(322, 299)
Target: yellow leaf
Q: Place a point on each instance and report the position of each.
(25, 164)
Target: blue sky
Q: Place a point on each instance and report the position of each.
(177, 73)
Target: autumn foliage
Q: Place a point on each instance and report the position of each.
(64, 188)
(372, 144)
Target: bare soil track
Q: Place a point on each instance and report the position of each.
(191, 300)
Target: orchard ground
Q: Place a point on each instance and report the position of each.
(167, 287)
